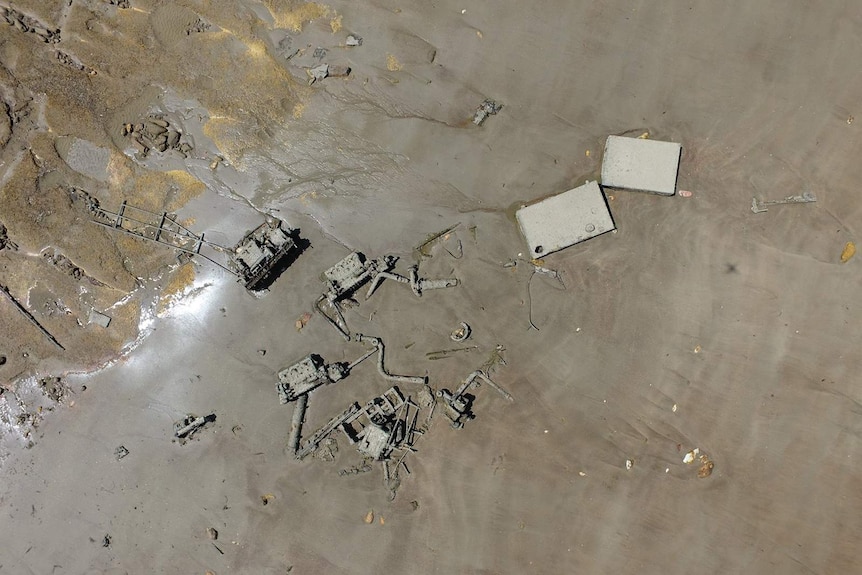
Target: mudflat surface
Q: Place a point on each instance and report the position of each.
(697, 324)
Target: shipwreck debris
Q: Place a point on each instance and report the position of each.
(758, 207)
(324, 431)
(310, 373)
(185, 428)
(641, 164)
(257, 260)
(353, 271)
(264, 252)
(565, 219)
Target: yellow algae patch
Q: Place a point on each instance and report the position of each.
(392, 63)
(298, 109)
(256, 49)
(294, 16)
(335, 24)
(183, 278)
(187, 187)
(848, 252)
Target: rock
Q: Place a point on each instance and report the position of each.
(353, 40)
(338, 71)
(318, 73)
(212, 533)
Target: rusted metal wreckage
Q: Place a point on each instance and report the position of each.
(256, 260)
(347, 276)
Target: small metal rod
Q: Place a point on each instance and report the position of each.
(30, 317)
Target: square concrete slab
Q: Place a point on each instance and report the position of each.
(640, 164)
(565, 219)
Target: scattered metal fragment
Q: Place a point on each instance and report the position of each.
(459, 404)
(461, 333)
(106, 540)
(444, 353)
(188, 425)
(5, 291)
(422, 249)
(486, 108)
(120, 452)
(363, 467)
(759, 207)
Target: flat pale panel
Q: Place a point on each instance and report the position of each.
(565, 219)
(640, 164)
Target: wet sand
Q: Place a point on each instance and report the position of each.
(698, 324)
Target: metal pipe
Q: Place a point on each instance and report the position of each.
(378, 343)
(296, 423)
